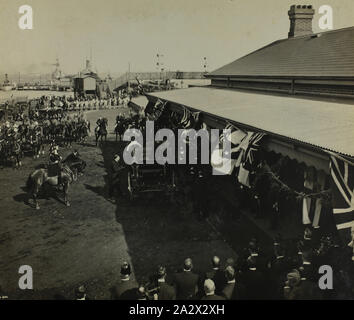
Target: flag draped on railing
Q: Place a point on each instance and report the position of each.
(244, 145)
(248, 149)
(235, 136)
(156, 110)
(186, 120)
(342, 182)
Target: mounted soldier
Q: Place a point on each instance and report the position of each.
(54, 167)
(74, 161)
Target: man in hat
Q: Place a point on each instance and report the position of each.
(186, 282)
(253, 281)
(117, 169)
(278, 269)
(199, 190)
(54, 168)
(209, 289)
(291, 286)
(299, 287)
(125, 289)
(73, 161)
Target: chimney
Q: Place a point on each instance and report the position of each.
(300, 20)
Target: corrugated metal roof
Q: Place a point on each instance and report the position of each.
(325, 124)
(329, 54)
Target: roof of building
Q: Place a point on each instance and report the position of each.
(140, 101)
(324, 124)
(326, 54)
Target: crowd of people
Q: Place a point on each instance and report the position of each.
(289, 270)
(251, 276)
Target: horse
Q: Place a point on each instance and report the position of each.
(119, 129)
(82, 131)
(40, 176)
(101, 130)
(11, 152)
(32, 144)
(69, 133)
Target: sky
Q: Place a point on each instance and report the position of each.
(134, 31)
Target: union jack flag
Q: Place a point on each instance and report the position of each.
(155, 112)
(250, 145)
(342, 174)
(186, 119)
(235, 136)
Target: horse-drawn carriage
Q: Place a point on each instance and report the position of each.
(151, 178)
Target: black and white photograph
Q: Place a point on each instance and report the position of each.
(176, 150)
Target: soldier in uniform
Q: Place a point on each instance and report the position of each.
(54, 168)
(73, 161)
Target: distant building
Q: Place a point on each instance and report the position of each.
(86, 82)
(299, 91)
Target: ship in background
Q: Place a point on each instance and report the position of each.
(6, 86)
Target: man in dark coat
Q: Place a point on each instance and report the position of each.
(126, 288)
(54, 167)
(73, 161)
(186, 282)
(216, 274)
(278, 269)
(230, 291)
(209, 289)
(253, 282)
(116, 170)
(165, 291)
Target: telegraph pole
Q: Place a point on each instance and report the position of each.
(205, 64)
(128, 77)
(159, 66)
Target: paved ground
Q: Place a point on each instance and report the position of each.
(85, 243)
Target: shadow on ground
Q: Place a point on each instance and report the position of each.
(158, 232)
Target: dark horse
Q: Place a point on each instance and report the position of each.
(101, 130)
(119, 129)
(38, 177)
